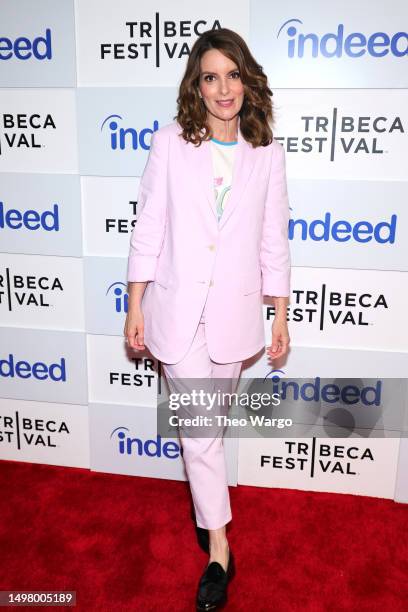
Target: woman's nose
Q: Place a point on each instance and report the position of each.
(224, 87)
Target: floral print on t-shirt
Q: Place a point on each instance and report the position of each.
(223, 158)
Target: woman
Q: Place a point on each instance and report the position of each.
(211, 239)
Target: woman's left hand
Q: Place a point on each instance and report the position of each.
(280, 339)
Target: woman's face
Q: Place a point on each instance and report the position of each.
(220, 81)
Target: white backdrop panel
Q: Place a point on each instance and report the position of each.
(38, 131)
(109, 212)
(357, 465)
(41, 214)
(343, 133)
(44, 432)
(43, 365)
(146, 44)
(363, 309)
(119, 374)
(124, 440)
(38, 44)
(42, 291)
(349, 224)
(106, 297)
(331, 44)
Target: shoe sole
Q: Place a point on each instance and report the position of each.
(218, 606)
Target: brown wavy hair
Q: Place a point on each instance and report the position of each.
(256, 114)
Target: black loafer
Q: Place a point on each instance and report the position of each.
(212, 587)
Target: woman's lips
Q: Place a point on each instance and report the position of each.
(225, 103)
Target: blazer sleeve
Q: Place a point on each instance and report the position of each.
(148, 233)
(275, 254)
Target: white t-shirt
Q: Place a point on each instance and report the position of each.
(223, 154)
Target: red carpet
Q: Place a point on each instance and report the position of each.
(126, 543)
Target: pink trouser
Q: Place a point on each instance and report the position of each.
(204, 457)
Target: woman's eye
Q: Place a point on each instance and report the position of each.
(208, 76)
(235, 74)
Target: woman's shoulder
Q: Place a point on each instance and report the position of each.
(275, 145)
(167, 130)
(276, 150)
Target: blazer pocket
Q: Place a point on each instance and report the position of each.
(162, 276)
(253, 286)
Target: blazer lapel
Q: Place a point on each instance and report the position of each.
(200, 159)
(244, 163)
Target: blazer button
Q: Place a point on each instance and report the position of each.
(211, 247)
(211, 283)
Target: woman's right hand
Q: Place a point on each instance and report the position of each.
(134, 329)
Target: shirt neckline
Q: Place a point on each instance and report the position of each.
(224, 143)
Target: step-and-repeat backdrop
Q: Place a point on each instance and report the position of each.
(83, 85)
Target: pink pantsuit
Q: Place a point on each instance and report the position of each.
(199, 266)
(204, 456)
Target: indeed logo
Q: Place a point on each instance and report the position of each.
(126, 137)
(347, 394)
(9, 368)
(22, 48)
(121, 297)
(342, 230)
(151, 448)
(335, 44)
(29, 219)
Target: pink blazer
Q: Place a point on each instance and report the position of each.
(178, 245)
